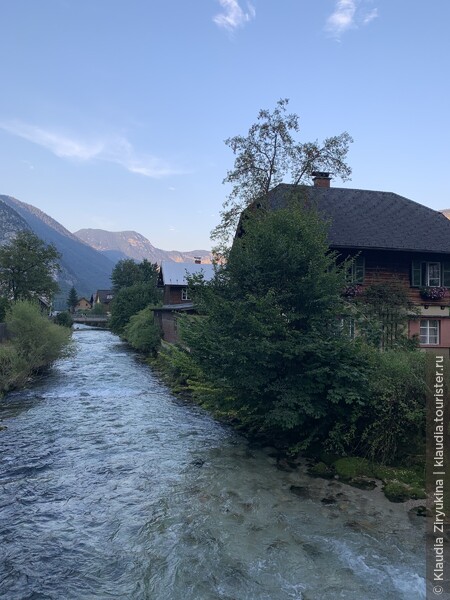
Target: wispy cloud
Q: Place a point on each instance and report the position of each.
(232, 15)
(348, 14)
(114, 149)
(370, 16)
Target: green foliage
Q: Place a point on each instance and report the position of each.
(14, 369)
(64, 319)
(127, 272)
(180, 371)
(382, 313)
(399, 492)
(394, 420)
(36, 338)
(98, 309)
(36, 343)
(130, 300)
(72, 299)
(27, 266)
(4, 305)
(269, 155)
(400, 483)
(271, 336)
(142, 333)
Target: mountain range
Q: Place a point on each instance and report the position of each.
(87, 257)
(117, 245)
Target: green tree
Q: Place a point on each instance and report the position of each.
(72, 299)
(127, 272)
(4, 305)
(142, 333)
(270, 330)
(268, 155)
(37, 340)
(130, 300)
(63, 318)
(27, 268)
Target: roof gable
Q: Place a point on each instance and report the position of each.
(371, 219)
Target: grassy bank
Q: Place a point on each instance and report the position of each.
(34, 344)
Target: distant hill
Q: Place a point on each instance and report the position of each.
(446, 213)
(130, 244)
(81, 266)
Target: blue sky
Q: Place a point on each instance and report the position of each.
(113, 113)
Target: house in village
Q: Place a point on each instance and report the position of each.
(172, 280)
(102, 298)
(82, 305)
(392, 237)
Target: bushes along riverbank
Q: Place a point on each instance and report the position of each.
(35, 344)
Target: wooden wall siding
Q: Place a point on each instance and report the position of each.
(166, 321)
(172, 295)
(384, 266)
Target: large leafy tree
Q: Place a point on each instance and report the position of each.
(270, 334)
(128, 301)
(127, 272)
(27, 268)
(135, 289)
(270, 154)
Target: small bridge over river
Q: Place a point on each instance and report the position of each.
(96, 320)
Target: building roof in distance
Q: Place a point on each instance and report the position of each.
(175, 273)
(369, 219)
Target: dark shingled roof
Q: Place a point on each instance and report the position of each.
(370, 219)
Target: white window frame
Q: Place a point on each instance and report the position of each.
(429, 332)
(427, 274)
(185, 294)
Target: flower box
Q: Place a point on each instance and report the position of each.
(433, 293)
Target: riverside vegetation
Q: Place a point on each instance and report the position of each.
(271, 350)
(270, 353)
(27, 266)
(35, 343)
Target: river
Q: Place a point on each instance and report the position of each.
(110, 487)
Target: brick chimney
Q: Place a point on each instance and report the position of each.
(321, 179)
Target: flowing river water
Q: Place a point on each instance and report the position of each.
(110, 487)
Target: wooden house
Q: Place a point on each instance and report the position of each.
(173, 280)
(103, 298)
(393, 238)
(82, 305)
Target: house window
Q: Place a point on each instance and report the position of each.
(429, 331)
(431, 274)
(356, 271)
(185, 294)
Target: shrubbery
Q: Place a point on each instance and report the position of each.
(63, 318)
(35, 344)
(142, 333)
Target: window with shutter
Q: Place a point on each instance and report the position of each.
(416, 273)
(446, 274)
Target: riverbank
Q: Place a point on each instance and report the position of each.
(34, 344)
(402, 483)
